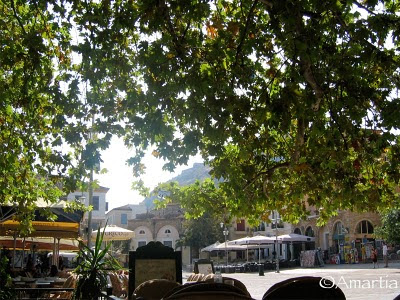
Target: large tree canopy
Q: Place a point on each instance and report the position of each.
(294, 103)
(291, 102)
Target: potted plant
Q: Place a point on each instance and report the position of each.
(6, 290)
(93, 267)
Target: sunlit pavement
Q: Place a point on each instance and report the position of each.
(357, 281)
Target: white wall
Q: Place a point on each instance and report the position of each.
(172, 235)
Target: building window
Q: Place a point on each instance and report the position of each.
(167, 231)
(365, 227)
(339, 229)
(141, 243)
(95, 225)
(95, 202)
(280, 225)
(309, 231)
(168, 243)
(124, 219)
(241, 226)
(106, 206)
(142, 232)
(261, 227)
(297, 231)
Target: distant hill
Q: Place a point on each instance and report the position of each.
(198, 172)
(189, 176)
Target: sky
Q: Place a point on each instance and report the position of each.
(119, 177)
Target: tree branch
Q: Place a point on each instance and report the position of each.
(16, 16)
(363, 7)
(269, 172)
(242, 38)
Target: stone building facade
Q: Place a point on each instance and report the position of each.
(347, 230)
(163, 225)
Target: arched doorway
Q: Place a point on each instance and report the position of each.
(168, 235)
(142, 237)
(338, 236)
(310, 232)
(364, 234)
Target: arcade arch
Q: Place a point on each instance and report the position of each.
(168, 235)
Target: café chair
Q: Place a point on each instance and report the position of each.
(154, 289)
(304, 287)
(69, 283)
(117, 285)
(208, 277)
(195, 277)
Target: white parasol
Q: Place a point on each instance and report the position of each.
(210, 247)
(114, 233)
(254, 240)
(293, 237)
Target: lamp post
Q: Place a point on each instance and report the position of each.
(276, 241)
(225, 232)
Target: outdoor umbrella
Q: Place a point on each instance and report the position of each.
(114, 233)
(210, 247)
(294, 237)
(255, 240)
(229, 247)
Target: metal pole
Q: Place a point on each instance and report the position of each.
(89, 240)
(54, 251)
(14, 251)
(276, 241)
(226, 249)
(58, 253)
(23, 251)
(89, 236)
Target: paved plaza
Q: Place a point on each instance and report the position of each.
(358, 281)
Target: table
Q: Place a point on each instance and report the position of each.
(40, 292)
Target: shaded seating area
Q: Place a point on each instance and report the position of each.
(35, 275)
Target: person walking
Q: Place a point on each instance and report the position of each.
(363, 254)
(374, 257)
(385, 254)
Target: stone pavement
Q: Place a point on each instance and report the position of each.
(358, 281)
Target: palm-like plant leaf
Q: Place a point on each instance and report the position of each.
(93, 268)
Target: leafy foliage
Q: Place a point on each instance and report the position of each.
(201, 232)
(6, 291)
(389, 230)
(292, 103)
(92, 269)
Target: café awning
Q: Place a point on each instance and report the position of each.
(65, 226)
(39, 243)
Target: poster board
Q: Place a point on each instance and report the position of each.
(154, 261)
(204, 266)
